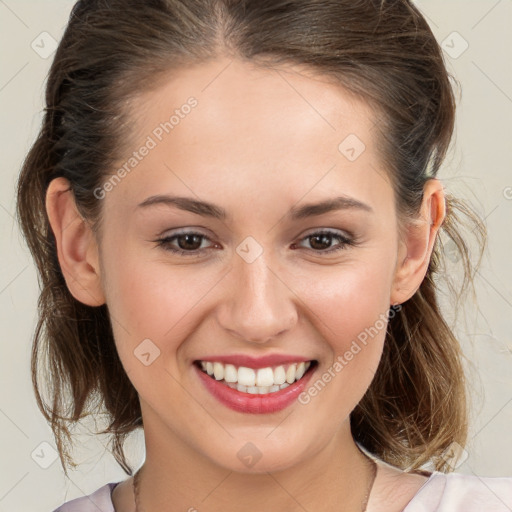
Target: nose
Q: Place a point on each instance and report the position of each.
(258, 304)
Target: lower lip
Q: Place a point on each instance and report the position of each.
(256, 404)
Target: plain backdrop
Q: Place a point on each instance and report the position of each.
(477, 42)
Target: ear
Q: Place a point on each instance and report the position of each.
(77, 250)
(418, 243)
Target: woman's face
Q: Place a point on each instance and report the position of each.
(260, 146)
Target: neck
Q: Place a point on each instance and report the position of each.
(176, 477)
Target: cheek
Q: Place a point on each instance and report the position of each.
(148, 299)
(347, 299)
(349, 308)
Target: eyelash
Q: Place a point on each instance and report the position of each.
(166, 241)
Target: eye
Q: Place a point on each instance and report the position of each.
(189, 243)
(320, 239)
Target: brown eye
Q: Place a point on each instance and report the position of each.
(187, 243)
(321, 241)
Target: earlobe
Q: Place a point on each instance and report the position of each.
(77, 250)
(416, 249)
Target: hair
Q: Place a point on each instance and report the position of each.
(382, 51)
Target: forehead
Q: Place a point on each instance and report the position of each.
(286, 128)
(233, 95)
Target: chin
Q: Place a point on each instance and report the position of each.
(258, 456)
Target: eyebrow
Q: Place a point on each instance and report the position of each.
(207, 209)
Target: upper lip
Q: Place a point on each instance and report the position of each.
(256, 362)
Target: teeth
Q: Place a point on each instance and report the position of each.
(246, 376)
(260, 381)
(265, 377)
(290, 374)
(218, 371)
(230, 373)
(261, 390)
(299, 372)
(279, 375)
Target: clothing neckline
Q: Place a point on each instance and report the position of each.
(416, 496)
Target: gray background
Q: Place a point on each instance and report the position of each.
(477, 168)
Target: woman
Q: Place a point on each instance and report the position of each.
(235, 212)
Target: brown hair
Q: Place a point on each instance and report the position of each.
(381, 50)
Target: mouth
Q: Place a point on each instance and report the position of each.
(256, 381)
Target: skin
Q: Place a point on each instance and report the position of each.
(259, 142)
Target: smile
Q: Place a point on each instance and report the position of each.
(255, 381)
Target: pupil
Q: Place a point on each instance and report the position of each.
(188, 238)
(324, 239)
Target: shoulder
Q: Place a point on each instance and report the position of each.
(98, 501)
(456, 492)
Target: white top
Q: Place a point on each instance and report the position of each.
(452, 492)
(455, 492)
